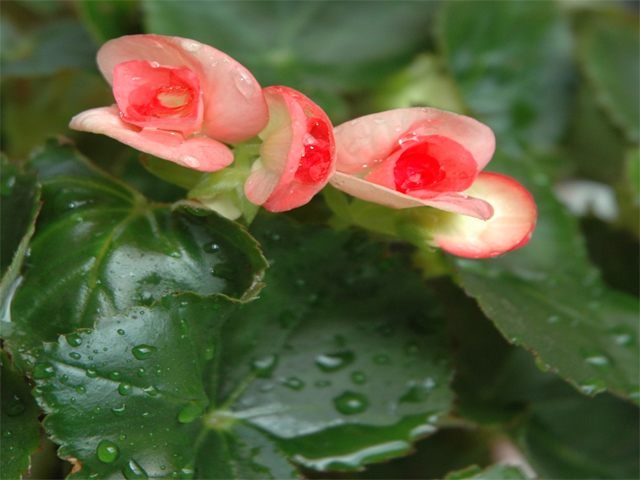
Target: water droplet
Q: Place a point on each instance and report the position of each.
(142, 352)
(81, 389)
(358, 378)
(322, 383)
(120, 410)
(14, 406)
(623, 335)
(189, 161)
(133, 471)
(141, 372)
(333, 362)
(294, 383)
(593, 385)
(74, 339)
(125, 389)
(91, 373)
(187, 473)
(75, 355)
(115, 375)
(151, 390)
(6, 433)
(107, 451)
(379, 121)
(596, 358)
(189, 46)
(381, 359)
(264, 366)
(190, 412)
(97, 410)
(350, 403)
(244, 82)
(121, 331)
(44, 370)
(155, 64)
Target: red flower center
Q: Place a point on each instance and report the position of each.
(416, 169)
(173, 100)
(315, 163)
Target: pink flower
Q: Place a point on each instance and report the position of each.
(297, 156)
(510, 227)
(426, 157)
(414, 157)
(176, 99)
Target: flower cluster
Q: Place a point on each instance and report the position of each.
(186, 102)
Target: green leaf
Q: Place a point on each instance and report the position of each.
(581, 437)
(512, 61)
(123, 398)
(101, 247)
(316, 47)
(610, 56)
(494, 472)
(355, 367)
(550, 299)
(20, 426)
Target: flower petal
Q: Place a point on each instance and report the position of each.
(274, 182)
(368, 140)
(511, 226)
(198, 153)
(449, 202)
(234, 107)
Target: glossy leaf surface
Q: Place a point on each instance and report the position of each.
(19, 422)
(101, 247)
(494, 472)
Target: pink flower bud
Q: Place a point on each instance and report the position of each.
(297, 156)
(176, 99)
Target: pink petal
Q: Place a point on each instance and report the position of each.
(511, 226)
(234, 107)
(198, 153)
(368, 140)
(273, 182)
(450, 202)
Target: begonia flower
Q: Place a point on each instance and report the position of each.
(414, 157)
(297, 155)
(510, 227)
(177, 99)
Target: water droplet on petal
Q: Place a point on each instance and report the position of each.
(350, 403)
(244, 83)
(190, 45)
(155, 64)
(189, 161)
(107, 451)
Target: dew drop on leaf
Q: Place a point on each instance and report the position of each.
(115, 375)
(593, 385)
(293, 383)
(121, 332)
(75, 355)
(264, 366)
(107, 451)
(350, 403)
(74, 340)
(358, 378)
(14, 406)
(44, 370)
(119, 410)
(596, 359)
(332, 362)
(91, 373)
(133, 471)
(124, 389)
(623, 336)
(81, 389)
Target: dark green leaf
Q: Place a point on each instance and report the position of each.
(20, 192)
(609, 47)
(20, 426)
(512, 61)
(101, 247)
(342, 360)
(548, 298)
(494, 472)
(123, 398)
(581, 437)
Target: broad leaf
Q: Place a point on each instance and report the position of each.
(20, 426)
(101, 247)
(342, 361)
(512, 61)
(579, 437)
(610, 54)
(122, 399)
(548, 298)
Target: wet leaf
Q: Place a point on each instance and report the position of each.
(20, 425)
(494, 472)
(101, 247)
(548, 298)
